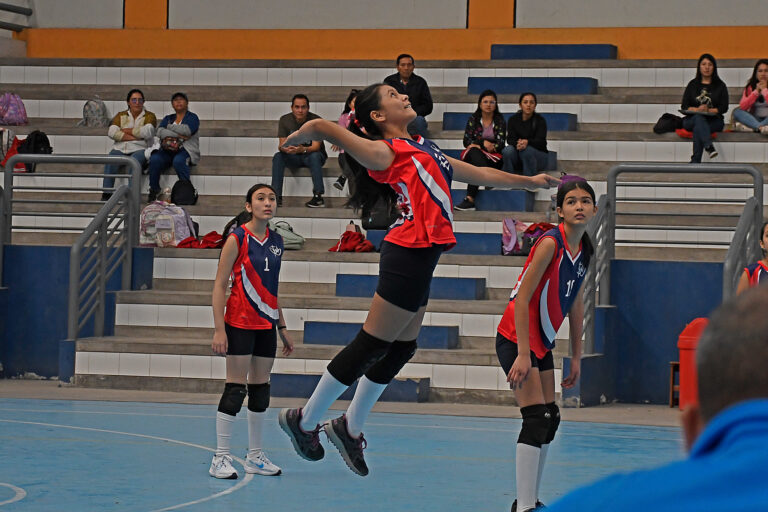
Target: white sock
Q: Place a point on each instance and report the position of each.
(224, 424)
(542, 460)
(326, 392)
(366, 395)
(255, 421)
(526, 472)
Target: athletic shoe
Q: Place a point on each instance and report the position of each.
(260, 465)
(340, 182)
(763, 129)
(315, 202)
(740, 127)
(306, 444)
(279, 201)
(152, 196)
(221, 467)
(539, 505)
(465, 205)
(711, 151)
(105, 196)
(350, 448)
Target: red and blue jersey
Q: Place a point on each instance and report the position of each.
(252, 302)
(553, 297)
(421, 177)
(757, 273)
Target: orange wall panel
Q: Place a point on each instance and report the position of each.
(146, 14)
(491, 14)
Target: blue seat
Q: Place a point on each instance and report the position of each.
(551, 157)
(341, 333)
(553, 51)
(498, 200)
(450, 288)
(538, 85)
(556, 121)
(466, 243)
(295, 385)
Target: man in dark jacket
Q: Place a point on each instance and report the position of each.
(406, 82)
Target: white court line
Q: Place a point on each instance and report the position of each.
(20, 494)
(242, 483)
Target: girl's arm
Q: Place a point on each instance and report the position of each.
(748, 98)
(542, 256)
(743, 283)
(491, 177)
(283, 333)
(576, 328)
(226, 261)
(371, 154)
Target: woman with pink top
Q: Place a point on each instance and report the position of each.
(752, 113)
(346, 117)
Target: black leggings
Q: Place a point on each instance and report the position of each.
(477, 158)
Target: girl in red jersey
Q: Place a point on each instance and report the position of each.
(756, 273)
(247, 331)
(548, 289)
(386, 160)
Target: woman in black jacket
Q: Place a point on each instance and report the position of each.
(526, 149)
(707, 95)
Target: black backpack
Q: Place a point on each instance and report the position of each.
(183, 193)
(668, 123)
(36, 143)
(381, 215)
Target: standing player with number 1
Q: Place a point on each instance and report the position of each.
(247, 331)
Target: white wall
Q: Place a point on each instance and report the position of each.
(75, 13)
(338, 14)
(640, 13)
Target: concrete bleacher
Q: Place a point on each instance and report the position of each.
(162, 336)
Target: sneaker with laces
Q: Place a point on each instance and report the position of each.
(350, 448)
(740, 127)
(306, 444)
(340, 182)
(763, 129)
(261, 465)
(315, 202)
(711, 151)
(221, 467)
(465, 205)
(539, 506)
(279, 201)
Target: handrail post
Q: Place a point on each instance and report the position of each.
(74, 292)
(2, 233)
(101, 275)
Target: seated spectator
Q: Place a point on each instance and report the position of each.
(752, 112)
(708, 95)
(726, 433)
(406, 82)
(179, 144)
(133, 131)
(484, 138)
(526, 149)
(310, 155)
(346, 117)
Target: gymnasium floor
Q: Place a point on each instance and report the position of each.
(82, 455)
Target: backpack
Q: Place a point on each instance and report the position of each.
(172, 225)
(147, 223)
(183, 192)
(512, 236)
(9, 146)
(291, 239)
(95, 113)
(532, 234)
(240, 219)
(36, 143)
(12, 109)
(668, 123)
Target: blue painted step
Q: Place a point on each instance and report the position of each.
(498, 200)
(450, 288)
(338, 333)
(538, 85)
(556, 122)
(294, 385)
(553, 51)
(551, 157)
(466, 243)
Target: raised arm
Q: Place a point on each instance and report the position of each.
(374, 155)
(491, 177)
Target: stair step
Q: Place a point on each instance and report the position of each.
(556, 121)
(538, 85)
(339, 333)
(553, 51)
(445, 288)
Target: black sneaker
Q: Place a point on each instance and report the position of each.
(350, 448)
(340, 182)
(315, 202)
(306, 444)
(152, 196)
(539, 505)
(105, 196)
(465, 205)
(279, 201)
(711, 151)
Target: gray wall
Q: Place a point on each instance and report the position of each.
(339, 14)
(75, 13)
(639, 13)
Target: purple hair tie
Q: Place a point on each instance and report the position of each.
(567, 178)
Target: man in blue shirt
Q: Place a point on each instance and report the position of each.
(726, 433)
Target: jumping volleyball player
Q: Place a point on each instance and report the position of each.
(246, 331)
(756, 273)
(548, 289)
(420, 175)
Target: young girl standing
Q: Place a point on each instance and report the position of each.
(247, 331)
(386, 160)
(756, 273)
(548, 289)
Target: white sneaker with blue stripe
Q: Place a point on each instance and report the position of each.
(260, 465)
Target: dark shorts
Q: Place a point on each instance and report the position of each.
(405, 274)
(506, 350)
(251, 342)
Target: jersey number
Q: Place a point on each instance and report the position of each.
(569, 286)
(266, 265)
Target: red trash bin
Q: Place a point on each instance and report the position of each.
(686, 343)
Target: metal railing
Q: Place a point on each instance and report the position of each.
(16, 9)
(102, 247)
(597, 286)
(745, 246)
(2, 234)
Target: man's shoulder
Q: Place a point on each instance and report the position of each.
(285, 117)
(312, 115)
(393, 78)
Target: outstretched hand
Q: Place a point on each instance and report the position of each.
(544, 181)
(303, 135)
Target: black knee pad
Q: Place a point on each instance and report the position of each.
(554, 421)
(355, 359)
(258, 397)
(536, 423)
(232, 399)
(385, 369)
